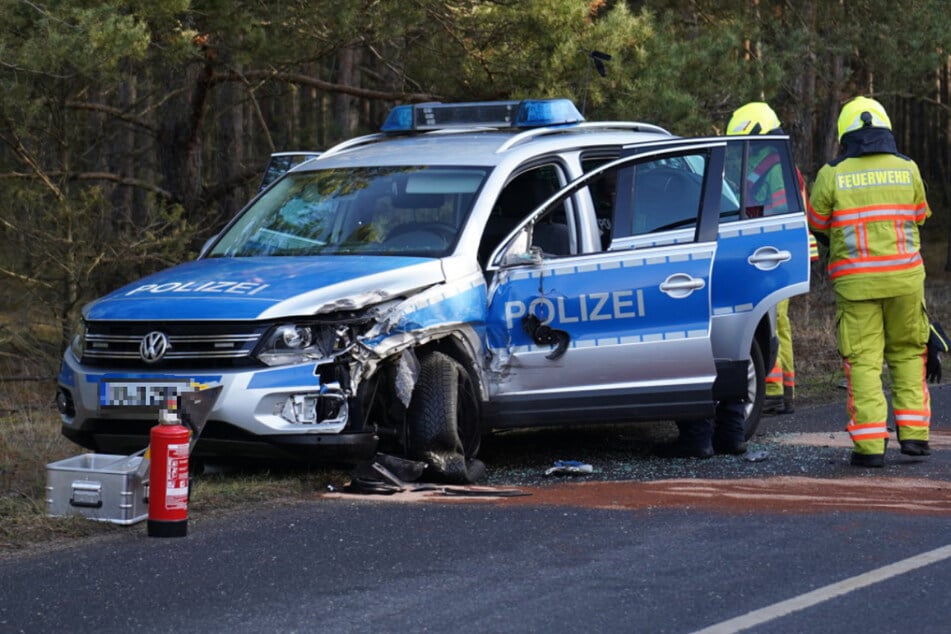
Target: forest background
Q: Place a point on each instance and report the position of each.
(131, 130)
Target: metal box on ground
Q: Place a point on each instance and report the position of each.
(104, 487)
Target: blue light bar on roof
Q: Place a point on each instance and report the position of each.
(534, 113)
(530, 113)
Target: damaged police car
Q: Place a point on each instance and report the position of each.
(471, 267)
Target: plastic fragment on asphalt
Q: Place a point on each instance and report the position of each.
(569, 467)
(482, 492)
(756, 456)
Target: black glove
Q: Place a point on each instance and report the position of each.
(937, 343)
(933, 366)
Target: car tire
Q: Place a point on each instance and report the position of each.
(756, 391)
(443, 421)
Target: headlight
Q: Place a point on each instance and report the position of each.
(287, 344)
(294, 337)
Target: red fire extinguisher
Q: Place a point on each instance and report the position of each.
(168, 477)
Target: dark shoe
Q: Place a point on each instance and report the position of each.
(915, 447)
(678, 449)
(777, 405)
(729, 448)
(868, 460)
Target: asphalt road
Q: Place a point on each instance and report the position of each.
(795, 541)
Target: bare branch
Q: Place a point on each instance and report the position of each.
(27, 158)
(92, 176)
(257, 110)
(40, 73)
(307, 80)
(115, 112)
(32, 281)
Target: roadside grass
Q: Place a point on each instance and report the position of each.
(30, 431)
(30, 439)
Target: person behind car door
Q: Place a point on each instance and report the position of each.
(725, 433)
(870, 201)
(766, 187)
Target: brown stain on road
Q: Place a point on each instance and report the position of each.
(772, 494)
(780, 494)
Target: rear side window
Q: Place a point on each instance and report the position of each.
(603, 192)
(518, 199)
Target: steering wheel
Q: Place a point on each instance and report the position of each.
(419, 234)
(674, 179)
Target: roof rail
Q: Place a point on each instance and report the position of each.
(355, 141)
(634, 126)
(521, 137)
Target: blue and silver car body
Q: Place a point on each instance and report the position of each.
(412, 289)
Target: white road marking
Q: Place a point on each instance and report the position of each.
(809, 599)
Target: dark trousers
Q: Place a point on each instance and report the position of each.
(727, 427)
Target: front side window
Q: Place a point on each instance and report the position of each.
(366, 211)
(666, 194)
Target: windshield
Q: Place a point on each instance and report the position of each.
(366, 210)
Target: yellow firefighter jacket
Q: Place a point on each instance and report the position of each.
(871, 206)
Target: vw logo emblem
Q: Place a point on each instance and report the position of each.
(153, 347)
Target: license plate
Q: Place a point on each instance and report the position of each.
(152, 394)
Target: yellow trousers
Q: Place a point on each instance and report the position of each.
(781, 380)
(893, 330)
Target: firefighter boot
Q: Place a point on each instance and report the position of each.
(869, 460)
(915, 447)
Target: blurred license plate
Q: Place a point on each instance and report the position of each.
(155, 394)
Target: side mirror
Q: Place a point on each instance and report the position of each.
(521, 251)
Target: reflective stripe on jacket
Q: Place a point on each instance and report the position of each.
(871, 206)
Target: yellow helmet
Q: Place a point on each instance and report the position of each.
(853, 116)
(755, 117)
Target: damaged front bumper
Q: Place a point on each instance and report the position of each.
(289, 408)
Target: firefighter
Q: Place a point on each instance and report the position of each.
(768, 190)
(869, 202)
(781, 380)
(725, 433)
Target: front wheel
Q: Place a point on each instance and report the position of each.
(443, 421)
(756, 391)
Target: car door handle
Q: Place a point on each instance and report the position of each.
(768, 258)
(681, 285)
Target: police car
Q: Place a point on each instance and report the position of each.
(470, 267)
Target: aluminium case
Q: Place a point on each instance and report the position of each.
(103, 487)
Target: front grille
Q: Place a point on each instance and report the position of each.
(190, 345)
